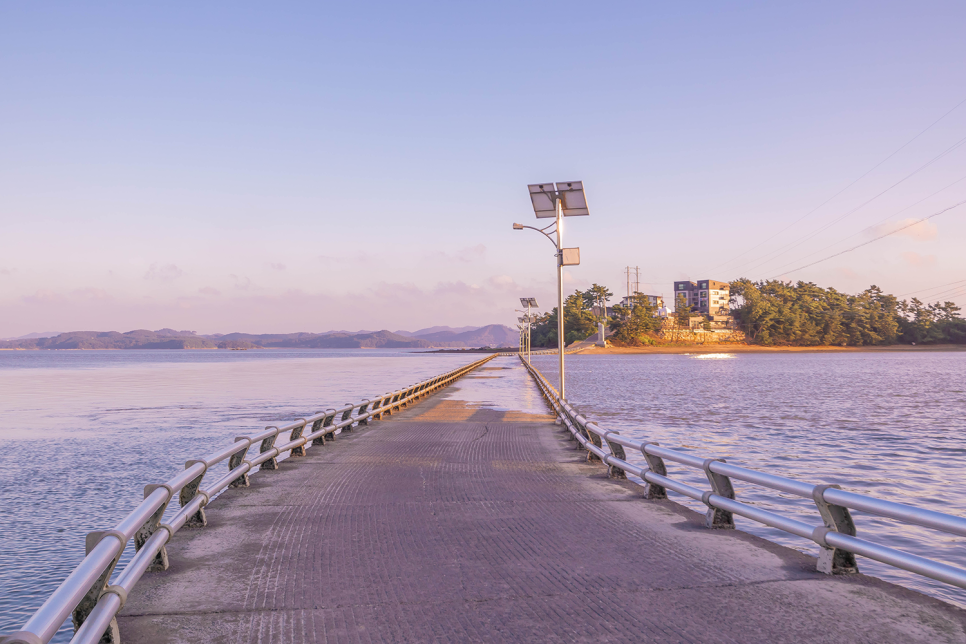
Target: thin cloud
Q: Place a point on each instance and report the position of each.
(163, 273)
(207, 290)
(466, 255)
(92, 294)
(503, 282)
(923, 231)
(43, 296)
(915, 259)
(242, 283)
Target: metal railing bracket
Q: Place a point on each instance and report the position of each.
(189, 492)
(268, 444)
(721, 486)
(837, 518)
(236, 460)
(653, 491)
(112, 635)
(150, 527)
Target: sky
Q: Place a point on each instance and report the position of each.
(283, 167)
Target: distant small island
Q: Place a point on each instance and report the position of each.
(493, 335)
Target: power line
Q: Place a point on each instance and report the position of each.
(953, 292)
(801, 241)
(932, 288)
(867, 172)
(848, 250)
(878, 223)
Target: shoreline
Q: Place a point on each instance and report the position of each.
(753, 348)
(660, 349)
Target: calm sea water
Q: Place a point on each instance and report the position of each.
(82, 432)
(891, 425)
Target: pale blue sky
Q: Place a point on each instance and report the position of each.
(302, 168)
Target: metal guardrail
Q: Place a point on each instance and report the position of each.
(545, 352)
(87, 593)
(836, 536)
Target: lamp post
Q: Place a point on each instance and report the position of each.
(565, 199)
(529, 302)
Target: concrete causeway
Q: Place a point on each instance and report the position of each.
(471, 517)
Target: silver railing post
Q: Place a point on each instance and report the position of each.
(654, 464)
(362, 411)
(617, 450)
(593, 438)
(316, 425)
(150, 527)
(346, 415)
(329, 436)
(268, 444)
(377, 404)
(189, 492)
(320, 423)
(112, 635)
(295, 435)
(837, 518)
(721, 486)
(236, 459)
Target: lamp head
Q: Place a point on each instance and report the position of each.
(517, 226)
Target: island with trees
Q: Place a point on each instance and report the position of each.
(768, 313)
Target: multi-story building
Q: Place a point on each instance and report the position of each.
(707, 297)
(656, 301)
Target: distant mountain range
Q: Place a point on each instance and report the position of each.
(494, 335)
(435, 329)
(30, 336)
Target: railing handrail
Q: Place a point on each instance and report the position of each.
(836, 536)
(544, 352)
(87, 592)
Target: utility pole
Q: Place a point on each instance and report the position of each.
(633, 279)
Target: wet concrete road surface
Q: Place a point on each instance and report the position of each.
(470, 517)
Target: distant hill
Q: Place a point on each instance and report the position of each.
(140, 339)
(435, 329)
(30, 336)
(497, 335)
(377, 340)
(439, 329)
(492, 335)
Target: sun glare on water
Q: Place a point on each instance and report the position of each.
(713, 356)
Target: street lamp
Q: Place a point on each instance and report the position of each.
(529, 302)
(565, 199)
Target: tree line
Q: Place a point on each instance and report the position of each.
(770, 312)
(773, 312)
